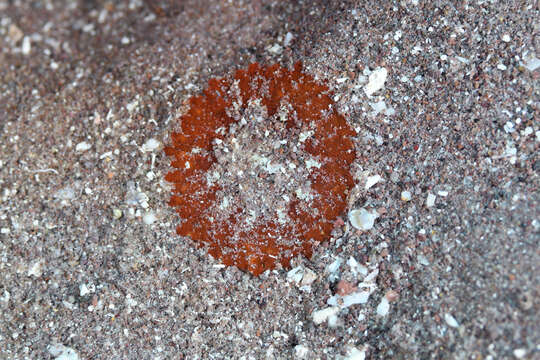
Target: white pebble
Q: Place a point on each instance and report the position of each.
(383, 307)
(362, 219)
(83, 146)
(320, 316)
(430, 201)
(450, 320)
(501, 67)
(406, 195)
(442, 193)
(376, 81)
(149, 218)
(372, 180)
(506, 38)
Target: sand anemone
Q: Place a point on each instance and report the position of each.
(261, 167)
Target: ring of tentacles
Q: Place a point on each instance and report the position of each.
(261, 167)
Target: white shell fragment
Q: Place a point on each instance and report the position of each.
(372, 180)
(85, 289)
(149, 218)
(383, 307)
(82, 146)
(378, 107)
(531, 62)
(26, 46)
(66, 193)
(519, 353)
(320, 316)
(295, 275)
(288, 38)
(362, 219)
(150, 145)
(360, 297)
(355, 354)
(450, 320)
(301, 351)
(430, 200)
(36, 269)
(376, 81)
(61, 352)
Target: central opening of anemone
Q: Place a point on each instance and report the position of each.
(261, 166)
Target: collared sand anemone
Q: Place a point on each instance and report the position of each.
(261, 167)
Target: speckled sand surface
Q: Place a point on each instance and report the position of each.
(443, 97)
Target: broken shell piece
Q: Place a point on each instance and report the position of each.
(376, 81)
(383, 307)
(320, 316)
(150, 145)
(372, 180)
(362, 219)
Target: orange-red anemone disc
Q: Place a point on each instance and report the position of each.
(194, 198)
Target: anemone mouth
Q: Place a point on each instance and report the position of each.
(261, 167)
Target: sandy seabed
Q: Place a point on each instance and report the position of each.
(435, 257)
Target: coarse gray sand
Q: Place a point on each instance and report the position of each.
(443, 97)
